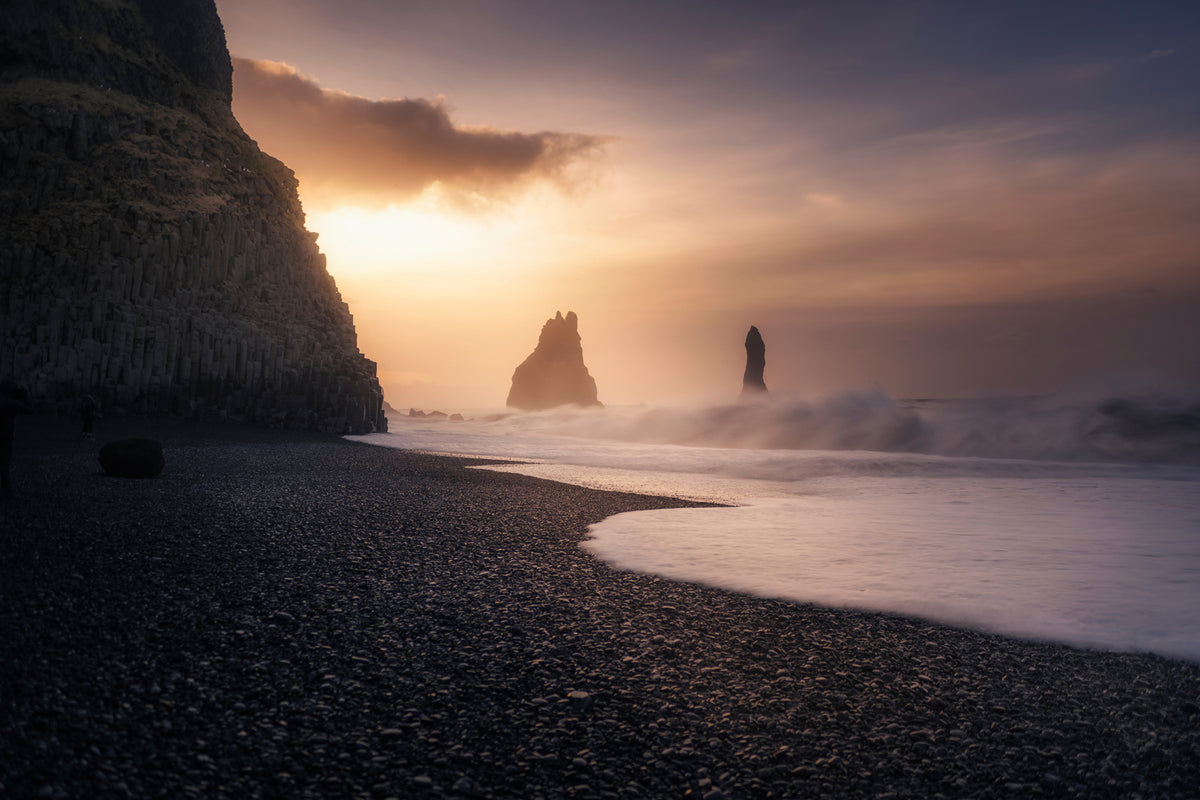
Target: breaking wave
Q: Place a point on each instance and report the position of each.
(1038, 428)
(1057, 518)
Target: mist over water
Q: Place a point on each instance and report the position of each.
(1068, 520)
(1044, 428)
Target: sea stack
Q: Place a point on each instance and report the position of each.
(554, 373)
(756, 361)
(151, 255)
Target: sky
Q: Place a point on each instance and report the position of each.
(935, 199)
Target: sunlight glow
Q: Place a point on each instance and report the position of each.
(367, 240)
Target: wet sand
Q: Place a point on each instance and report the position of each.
(290, 615)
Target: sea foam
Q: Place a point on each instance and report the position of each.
(1030, 517)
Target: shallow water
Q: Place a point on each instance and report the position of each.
(1083, 551)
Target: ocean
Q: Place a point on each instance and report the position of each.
(1057, 519)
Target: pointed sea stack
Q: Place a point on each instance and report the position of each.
(756, 362)
(554, 374)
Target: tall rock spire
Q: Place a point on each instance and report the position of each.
(756, 361)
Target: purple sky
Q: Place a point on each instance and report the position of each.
(939, 198)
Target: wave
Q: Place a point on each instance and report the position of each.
(1127, 428)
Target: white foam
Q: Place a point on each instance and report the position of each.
(1103, 554)
(1112, 563)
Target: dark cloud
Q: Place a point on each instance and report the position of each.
(388, 150)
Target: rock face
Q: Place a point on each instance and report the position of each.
(150, 254)
(756, 361)
(554, 374)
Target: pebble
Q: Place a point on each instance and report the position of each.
(427, 619)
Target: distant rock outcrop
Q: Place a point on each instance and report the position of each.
(437, 416)
(554, 374)
(756, 361)
(150, 254)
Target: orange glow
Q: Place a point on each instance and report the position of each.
(934, 262)
(380, 241)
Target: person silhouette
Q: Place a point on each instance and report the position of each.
(13, 401)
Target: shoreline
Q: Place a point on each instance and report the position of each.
(291, 614)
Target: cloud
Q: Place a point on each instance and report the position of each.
(970, 230)
(962, 220)
(383, 151)
(1157, 54)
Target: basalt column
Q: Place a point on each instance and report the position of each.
(150, 254)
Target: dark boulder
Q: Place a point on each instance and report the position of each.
(756, 361)
(132, 458)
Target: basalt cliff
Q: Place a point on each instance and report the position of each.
(150, 254)
(554, 373)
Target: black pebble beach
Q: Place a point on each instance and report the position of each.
(281, 615)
